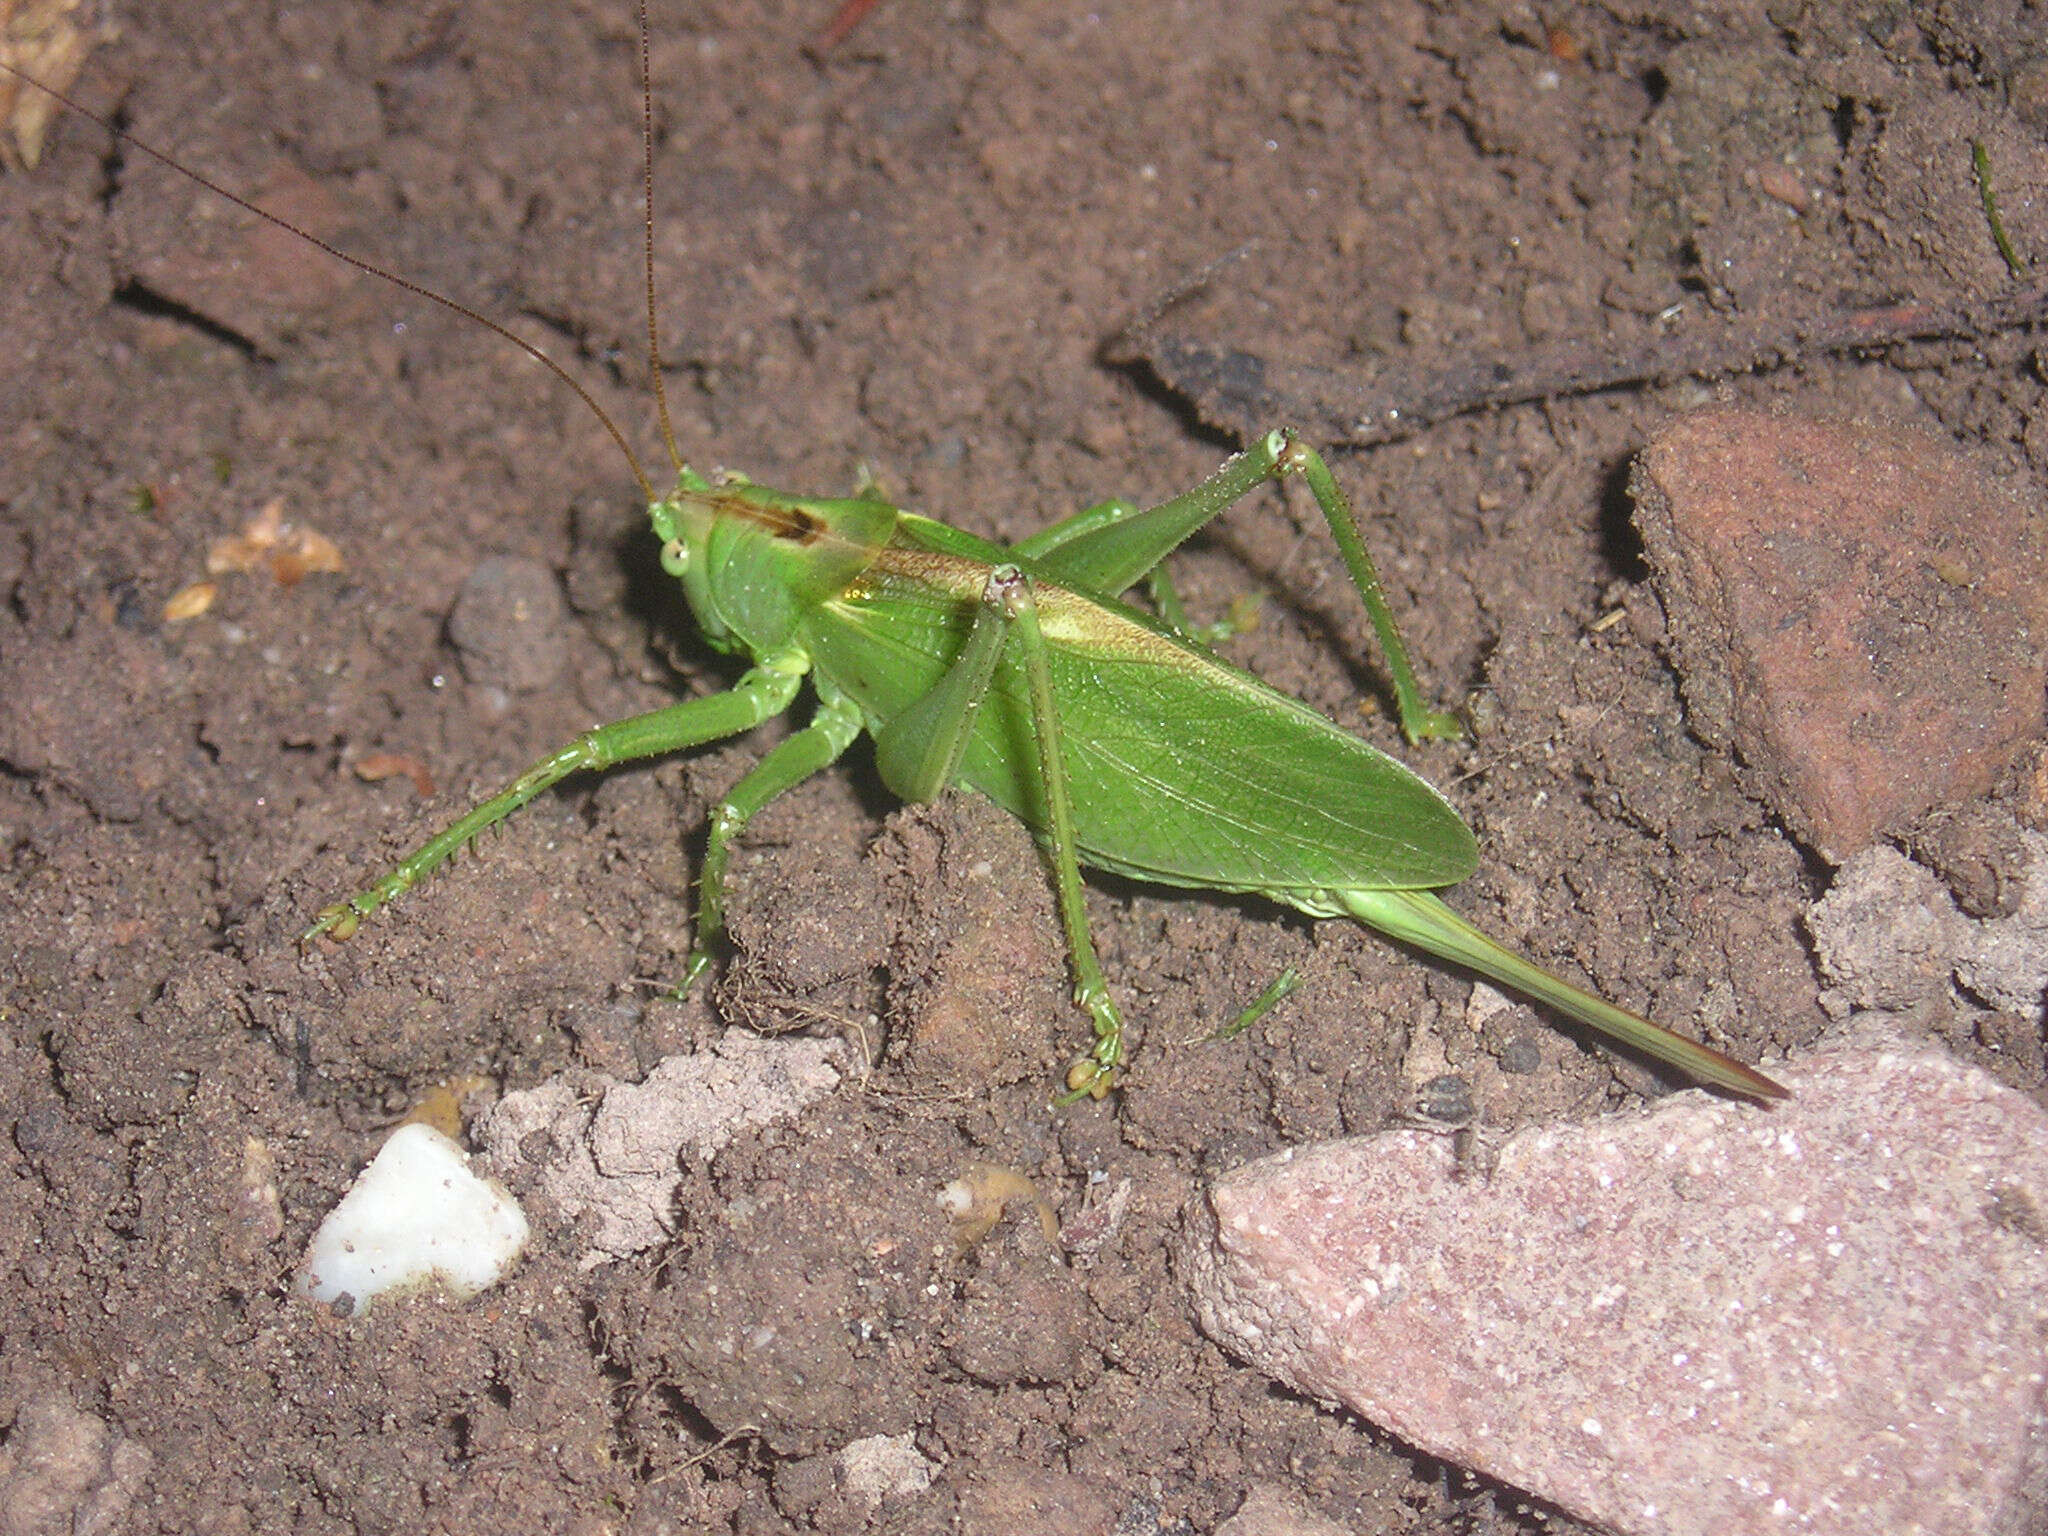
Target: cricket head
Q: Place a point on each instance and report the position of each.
(755, 562)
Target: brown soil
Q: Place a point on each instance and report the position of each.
(905, 258)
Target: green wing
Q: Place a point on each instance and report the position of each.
(1183, 770)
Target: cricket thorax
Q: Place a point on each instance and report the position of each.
(753, 561)
(781, 518)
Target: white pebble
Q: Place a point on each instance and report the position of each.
(415, 1216)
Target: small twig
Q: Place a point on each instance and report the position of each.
(1244, 392)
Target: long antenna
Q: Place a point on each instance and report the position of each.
(668, 431)
(419, 290)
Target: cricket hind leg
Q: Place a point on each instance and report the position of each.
(1291, 456)
(817, 746)
(1086, 530)
(1077, 529)
(1108, 548)
(763, 691)
(1421, 918)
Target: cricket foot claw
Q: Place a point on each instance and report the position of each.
(338, 922)
(693, 968)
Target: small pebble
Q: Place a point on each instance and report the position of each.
(510, 626)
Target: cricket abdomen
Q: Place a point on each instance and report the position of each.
(1182, 769)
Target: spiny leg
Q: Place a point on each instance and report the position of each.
(765, 690)
(1294, 457)
(1109, 547)
(919, 753)
(1088, 530)
(1081, 526)
(787, 764)
(1094, 1074)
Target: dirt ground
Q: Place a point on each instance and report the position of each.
(903, 258)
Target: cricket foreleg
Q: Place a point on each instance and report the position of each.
(831, 731)
(765, 690)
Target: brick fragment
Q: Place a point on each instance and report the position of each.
(1860, 612)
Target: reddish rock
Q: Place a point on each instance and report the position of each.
(1861, 613)
(1704, 1319)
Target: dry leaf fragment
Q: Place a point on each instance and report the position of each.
(373, 767)
(307, 552)
(188, 602)
(290, 552)
(977, 1200)
(39, 38)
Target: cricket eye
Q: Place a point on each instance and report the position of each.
(675, 557)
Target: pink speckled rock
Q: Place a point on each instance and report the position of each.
(1704, 1319)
